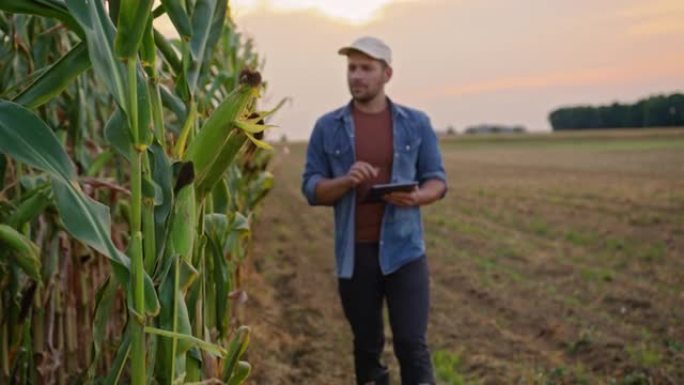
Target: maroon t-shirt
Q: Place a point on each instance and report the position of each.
(373, 139)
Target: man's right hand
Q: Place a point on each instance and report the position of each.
(328, 191)
(361, 172)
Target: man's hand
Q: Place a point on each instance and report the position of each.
(328, 191)
(405, 199)
(430, 191)
(361, 172)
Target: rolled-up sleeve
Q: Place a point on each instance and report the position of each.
(316, 167)
(430, 165)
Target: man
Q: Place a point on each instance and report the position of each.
(379, 246)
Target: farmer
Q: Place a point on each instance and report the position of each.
(379, 247)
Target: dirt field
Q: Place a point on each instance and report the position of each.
(555, 259)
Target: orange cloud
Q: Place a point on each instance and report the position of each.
(664, 66)
(655, 17)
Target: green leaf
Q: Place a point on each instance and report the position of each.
(46, 8)
(221, 197)
(53, 81)
(179, 17)
(118, 135)
(21, 250)
(148, 51)
(168, 52)
(259, 187)
(104, 300)
(206, 346)
(218, 22)
(117, 367)
(161, 174)
(27, 139)
(220, 164)
(99, 33)
(133, 18)
(175, 104)
(33, 204)
(238, 346)
(242, 371)
(172, 297)
(203, 12)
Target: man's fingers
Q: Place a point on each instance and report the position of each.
(364, 170)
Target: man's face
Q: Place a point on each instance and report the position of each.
(366, 76)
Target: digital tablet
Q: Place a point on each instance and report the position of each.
(376, 192)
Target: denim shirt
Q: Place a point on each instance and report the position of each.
(330, 154)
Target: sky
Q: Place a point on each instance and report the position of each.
(468, 62)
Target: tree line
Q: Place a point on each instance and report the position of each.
(654, 111)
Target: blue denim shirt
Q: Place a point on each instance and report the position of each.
(330, 154)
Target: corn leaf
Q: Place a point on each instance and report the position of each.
(179, 17)
(24, 137)
(20, 250)
(118, 135)
(201, 26)
(46, 8)
(104, 301)
(242, 371)
(53, 81)
(161, 174)
(206, 346)
(99, 33)
(237, 347)
(131, 25)
(167, 52)
(117, 367)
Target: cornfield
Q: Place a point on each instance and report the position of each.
(131, 165)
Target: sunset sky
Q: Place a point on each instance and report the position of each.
(467, 62)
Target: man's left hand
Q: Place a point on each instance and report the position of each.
(430, 191)
(405, 199)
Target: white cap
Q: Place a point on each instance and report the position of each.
(372, 47)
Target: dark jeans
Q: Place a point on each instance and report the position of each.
(408, 300)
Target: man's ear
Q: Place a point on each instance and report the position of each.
(388, 73)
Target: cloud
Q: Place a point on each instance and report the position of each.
(354, 12)
(654, 18)
(670, 65)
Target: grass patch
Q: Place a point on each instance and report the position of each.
(615, 244)
(592, 274)
(645, 356)
(580, 238)
(653, 252)
(636, 378)
(540, 227)
(448, 367)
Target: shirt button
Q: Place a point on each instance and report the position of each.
(337, 152)
(408, 147)
(396, 154)
(381, 243)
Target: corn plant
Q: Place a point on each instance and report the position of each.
(130, 168)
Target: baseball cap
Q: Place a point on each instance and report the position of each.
(371, 46)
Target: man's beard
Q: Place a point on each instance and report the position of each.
(364, 97)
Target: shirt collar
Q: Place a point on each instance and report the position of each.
(346, 112)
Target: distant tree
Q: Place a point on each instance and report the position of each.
(655, 111)
(450, 130)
